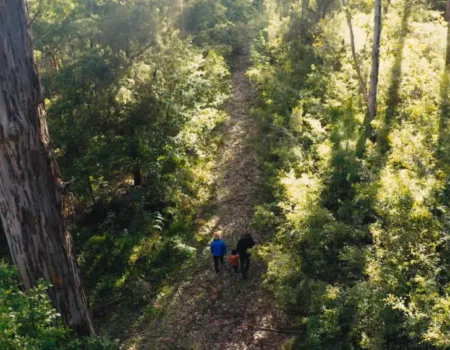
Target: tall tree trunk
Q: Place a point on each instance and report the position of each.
(134, 154)
(91, 190)
(182, 18)
(137, 175)
(30, 198)
(448, 11)
(443, 141)
(386, 7)
(447, 57)
(362, 83)
(372, 111)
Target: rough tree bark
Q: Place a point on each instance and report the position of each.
(372, 111)
(362, 83)
(30, 182)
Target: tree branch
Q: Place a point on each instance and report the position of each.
(137, 54)
(362, 84)
(36, 15)
(375, 69)
(284, 331)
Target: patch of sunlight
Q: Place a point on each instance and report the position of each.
(134, 343)
(301, 191)
(373, 270)
(360, 30)
(128, 181)
(298, 152)
(184, 248)
(265, 321)
(315, 125)
(98, 239)
(333, 292)
(208, 226)
(120, 282)
(324, 150)
(134, 256)
(253, 73)
(143, 70)
(164, 291)
(124, 95)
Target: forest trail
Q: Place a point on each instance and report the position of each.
(223, 312)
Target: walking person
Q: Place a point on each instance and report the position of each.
(218, 251)
(234, 261)
(244, 244)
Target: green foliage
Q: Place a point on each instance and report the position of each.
(134, 107)
(224, 24)
(360, 254)
(91, 343)
(173, 117)
(119, 106)
(360, 248)
(28, 320)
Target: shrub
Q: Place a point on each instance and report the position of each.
(28, 320)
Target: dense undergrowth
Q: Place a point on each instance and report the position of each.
(360, 254)
(28, 321)
(135, 96)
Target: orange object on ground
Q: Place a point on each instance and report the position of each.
(234, 260)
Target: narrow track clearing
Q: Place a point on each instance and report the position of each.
(224, 312)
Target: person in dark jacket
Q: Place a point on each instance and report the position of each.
(244, 244)
(218, 251)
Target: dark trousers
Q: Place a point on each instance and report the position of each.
(235, 269)
(245, 264)
(216, 262)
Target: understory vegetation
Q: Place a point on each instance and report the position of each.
(358, 210)
(360, 256)
(135, 94)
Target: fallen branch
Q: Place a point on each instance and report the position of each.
(284, 331)
(248, 179)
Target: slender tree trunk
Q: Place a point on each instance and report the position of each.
(372, 112)
(137, 175)
(447, 57)
(386, 7)
(30, 200)
(182, 19)
(91, 191)
(362, 83)
(443, 151)
(448, 11)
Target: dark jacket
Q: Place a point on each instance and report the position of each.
(244, 245)
(218, 248)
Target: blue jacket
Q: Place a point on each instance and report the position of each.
(218, 248)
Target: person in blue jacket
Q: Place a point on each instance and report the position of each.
(218, 251)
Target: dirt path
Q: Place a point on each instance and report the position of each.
(224, 312)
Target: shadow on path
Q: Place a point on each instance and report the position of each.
(223, 312)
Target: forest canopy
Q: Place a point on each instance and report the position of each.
(349, 115)
(361, 247)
